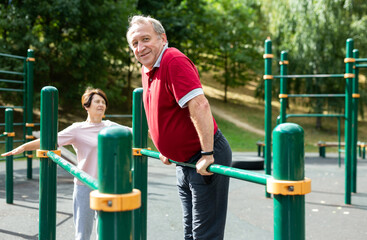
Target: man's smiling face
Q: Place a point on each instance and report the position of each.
(146, 44)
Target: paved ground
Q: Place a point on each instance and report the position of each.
(250, 214)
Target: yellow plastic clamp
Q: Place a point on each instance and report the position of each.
(348, 75)
(288, 187)
(29, 137)
(137, 151)
(268, 55)
(356, 95)
(285, 62)
(349, 60)
(268, 77)
(43, 153)
(283, 95)
(115, 202)
(31, 59)
(29, 155)
(29, 124)
(9, 134)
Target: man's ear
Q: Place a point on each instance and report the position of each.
(164, 37)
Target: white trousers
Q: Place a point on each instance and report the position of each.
(83, 216)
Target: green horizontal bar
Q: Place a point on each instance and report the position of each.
(361, 65)
(21, 107)
(12, 72)
(14, 124)
(118, 115)
(12, 81)
(3, 135)
(219, 169)
(14, 157)
(14, 141)
(316, 95)
(73, 170)
(361, 59)
(311, 76)
(314, 115)
(11, 90)
(12, 56)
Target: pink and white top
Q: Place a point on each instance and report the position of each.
(83, 136)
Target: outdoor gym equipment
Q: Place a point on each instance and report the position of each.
(288, 183)
(9, 135)
(26, 90)
(350, 115)
(115, 198)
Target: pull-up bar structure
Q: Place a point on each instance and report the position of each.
(288, 184)
(26, 89)
(351, 106)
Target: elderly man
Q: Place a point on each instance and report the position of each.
(182, 128)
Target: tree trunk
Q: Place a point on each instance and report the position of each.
(318, 123)
(225, 77)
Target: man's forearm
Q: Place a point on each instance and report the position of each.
(202, 119)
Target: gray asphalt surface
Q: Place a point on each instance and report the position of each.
(250, 214)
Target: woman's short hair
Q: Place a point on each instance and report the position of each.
(88, 96)
(140, 20)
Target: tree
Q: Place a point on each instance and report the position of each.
(76, 43)
(314, 34)
(218, 35)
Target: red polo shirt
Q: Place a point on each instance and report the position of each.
(170, 126)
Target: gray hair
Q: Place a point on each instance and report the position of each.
(140, 20)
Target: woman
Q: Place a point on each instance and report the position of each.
(83, 136)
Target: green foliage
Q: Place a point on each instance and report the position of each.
(76, 43)
(314, 33)
(222, 36)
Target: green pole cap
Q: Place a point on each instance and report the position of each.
(288, 141)
(30, 53)
(114, 160)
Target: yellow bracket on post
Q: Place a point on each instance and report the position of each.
(29, 137)
(115, 202)
(29, 124)
(283, 95)
(9, 134)
(348, 75)
(285, 62)
(137, 151)
(284, 187)
(356, 95)
(349, 60)
(268, 77)
(43, 153)
(268, 55)
(31, 59)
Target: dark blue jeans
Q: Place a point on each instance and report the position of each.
(204, 198)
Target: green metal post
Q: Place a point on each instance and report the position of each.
(114, 177)
(268, 114)
(348, 121)
(29, 106)
(283, 86)
(355, 122)
(289, 210)
(140, 133)
(47, 187)
(339, 143)
(9, 159)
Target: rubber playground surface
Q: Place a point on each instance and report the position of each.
(250, 214)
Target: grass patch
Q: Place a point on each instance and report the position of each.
(239, 139)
